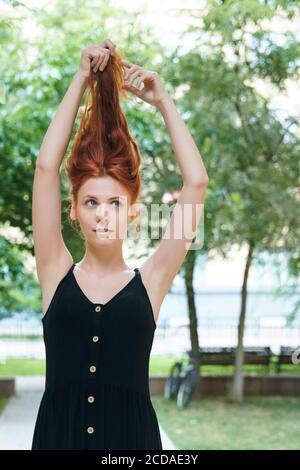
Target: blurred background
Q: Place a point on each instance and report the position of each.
(232, 68)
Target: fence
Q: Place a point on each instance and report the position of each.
(171, 337)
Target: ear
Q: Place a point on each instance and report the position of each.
(73, 214)
(134, 217)
(134, 212)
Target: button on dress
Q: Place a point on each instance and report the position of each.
(97, 371)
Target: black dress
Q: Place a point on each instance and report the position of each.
(97, 371)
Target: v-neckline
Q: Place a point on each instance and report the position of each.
(112, 298)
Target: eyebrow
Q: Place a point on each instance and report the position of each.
(95, 197)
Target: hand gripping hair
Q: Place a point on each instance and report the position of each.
(103, 144)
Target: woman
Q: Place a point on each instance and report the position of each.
(99, 315)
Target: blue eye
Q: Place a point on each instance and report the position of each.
(90, 200)
(117, 200)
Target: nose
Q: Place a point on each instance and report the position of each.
(101, 212)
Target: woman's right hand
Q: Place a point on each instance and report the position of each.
(95, 57)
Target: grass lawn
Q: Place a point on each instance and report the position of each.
(210, 423)
(18, 366)
(216, 423)
(159, 365)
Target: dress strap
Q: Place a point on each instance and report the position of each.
(72, 268)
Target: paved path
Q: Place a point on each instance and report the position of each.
(18, 418)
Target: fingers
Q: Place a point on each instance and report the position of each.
(126, 63)
(133, 72)
(111, 46)
(104, 62)
(93, 53)
(130, 88)
(131, 76)
(140, 80)
(132, 69)
(100, 60)
(97, 64)
(95, 59)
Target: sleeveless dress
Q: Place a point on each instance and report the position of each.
(97, 371)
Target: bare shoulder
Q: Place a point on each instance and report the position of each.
(50, 276)
(156, 284)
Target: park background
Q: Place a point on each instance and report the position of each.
(232, 69)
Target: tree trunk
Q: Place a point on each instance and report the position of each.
(189, 266)
(237, 392)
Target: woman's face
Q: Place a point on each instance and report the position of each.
(102, 203)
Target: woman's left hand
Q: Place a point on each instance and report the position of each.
(153, 91)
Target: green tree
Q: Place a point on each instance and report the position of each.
(35, 82)
(252, 151)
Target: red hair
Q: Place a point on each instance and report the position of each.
(103, 145)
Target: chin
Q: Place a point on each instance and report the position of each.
(105, 238)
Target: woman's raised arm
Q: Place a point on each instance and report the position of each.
(57, 137)
(51, 254)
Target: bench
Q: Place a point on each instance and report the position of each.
(284, 357)
(224, 356)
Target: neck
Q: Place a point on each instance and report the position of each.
(106, 260)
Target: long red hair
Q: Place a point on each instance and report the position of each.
(103, 144)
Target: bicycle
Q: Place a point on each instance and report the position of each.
(182, 381)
